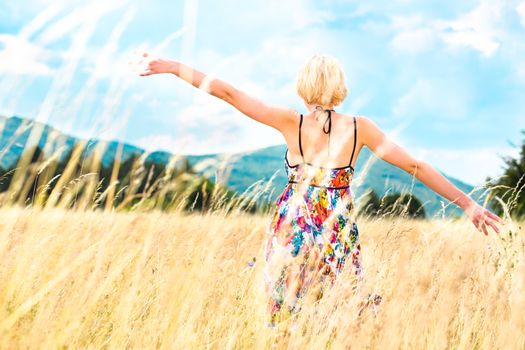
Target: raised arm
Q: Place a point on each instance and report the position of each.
(386, 149)
(275, 116)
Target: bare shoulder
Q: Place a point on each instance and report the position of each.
(363, 120)
(288, 118)
(365, 124)
(367, 130)
(285, 111)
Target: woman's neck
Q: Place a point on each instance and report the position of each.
(312, 107)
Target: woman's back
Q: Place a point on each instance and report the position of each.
(326, 141)
(313, 223)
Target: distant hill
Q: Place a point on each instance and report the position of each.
(246, 167)
(15, 132)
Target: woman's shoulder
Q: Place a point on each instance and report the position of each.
(362, 119)
(363, 123)
(367, 127)
(359, 119)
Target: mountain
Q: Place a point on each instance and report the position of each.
(246, 168)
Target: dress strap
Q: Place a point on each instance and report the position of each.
(300, 146)
(355, 142)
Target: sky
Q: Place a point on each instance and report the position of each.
(444, 79)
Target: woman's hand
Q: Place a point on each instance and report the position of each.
(481, 217)
(152, 65)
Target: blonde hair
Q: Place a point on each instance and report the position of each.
(321, 81)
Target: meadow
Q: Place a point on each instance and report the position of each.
(73, 279)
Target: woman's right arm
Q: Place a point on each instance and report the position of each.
(389, 151)
(275, 116)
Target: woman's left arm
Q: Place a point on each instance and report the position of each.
(277, 117)
(386, 149)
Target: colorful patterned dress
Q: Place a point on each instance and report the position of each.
(311, 235)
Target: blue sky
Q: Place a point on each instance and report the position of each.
(445, 79)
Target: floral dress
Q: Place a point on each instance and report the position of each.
(311, 235)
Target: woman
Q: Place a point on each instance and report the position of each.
(312, 231)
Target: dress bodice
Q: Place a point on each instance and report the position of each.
(317, 176)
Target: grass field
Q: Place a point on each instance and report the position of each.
(72, 279)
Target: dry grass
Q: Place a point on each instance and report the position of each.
(72, 279)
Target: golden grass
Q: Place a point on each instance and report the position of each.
(73, 279)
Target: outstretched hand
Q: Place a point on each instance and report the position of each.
(152, 65)
(481, 218)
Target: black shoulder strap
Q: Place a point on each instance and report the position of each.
(300, 146)
(355, 141)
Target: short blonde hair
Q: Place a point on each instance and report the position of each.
(321, 81)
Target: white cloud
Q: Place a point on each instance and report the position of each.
(22, 60)
(521, 12)
(479, 29)
(415, 41)
(19, 56)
